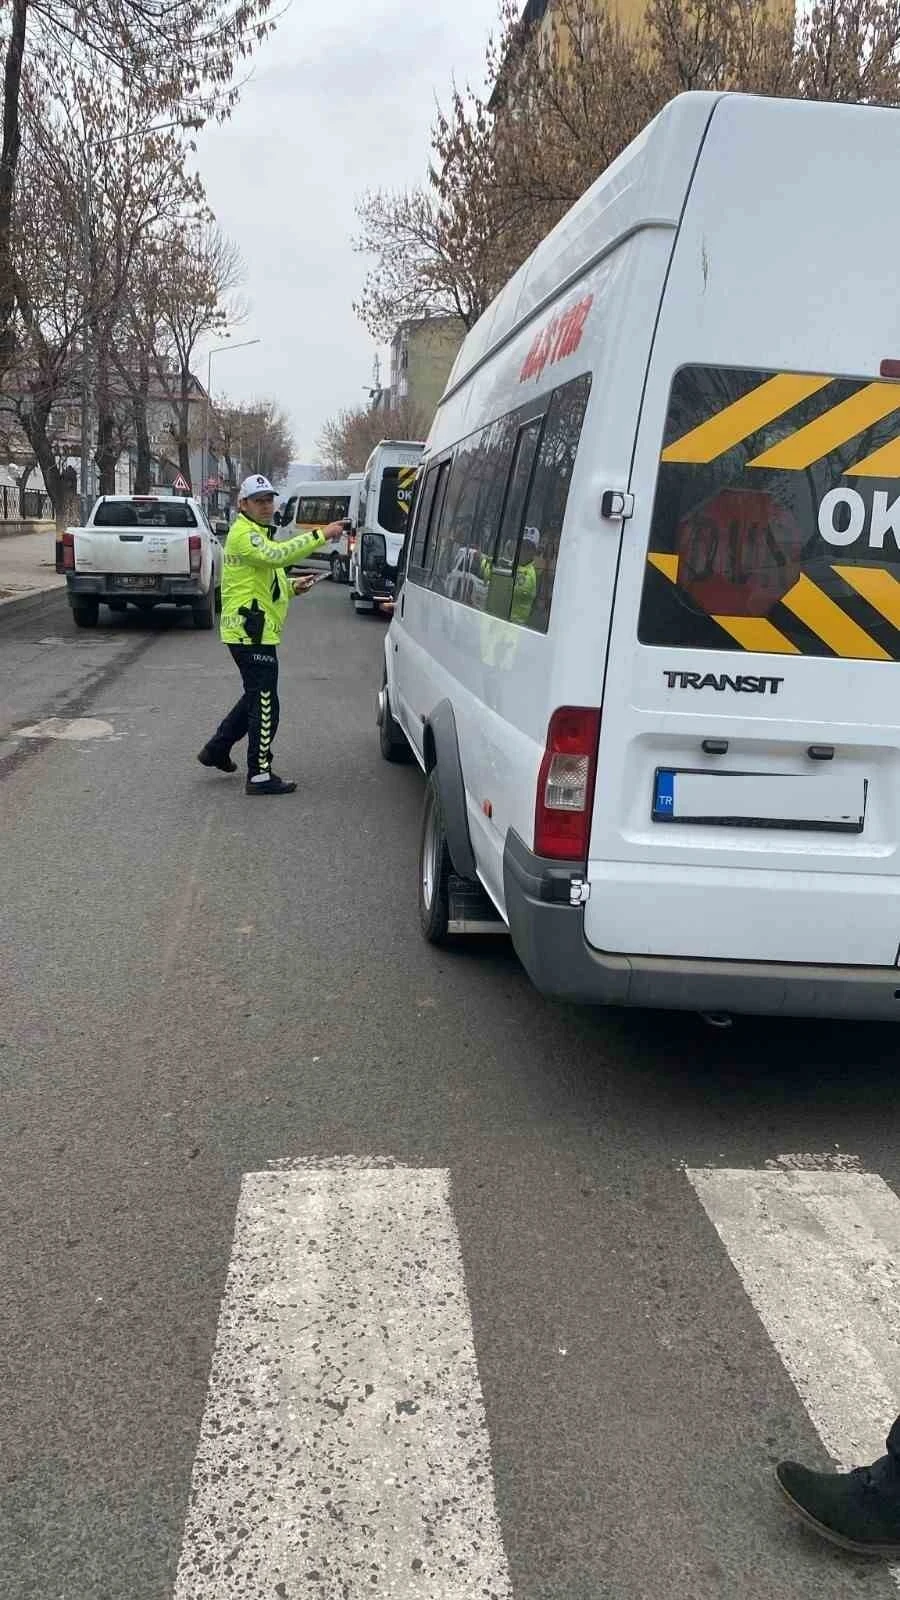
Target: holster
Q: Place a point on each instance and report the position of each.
(254, 621)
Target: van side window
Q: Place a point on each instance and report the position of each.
(443, 539)
(499, 568)
(458, 526)
(422, 513)
(437, 512)
(287, 515)
(538, 545)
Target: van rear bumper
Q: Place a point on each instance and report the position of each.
(548, 935)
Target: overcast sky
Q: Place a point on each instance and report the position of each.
(341, 99)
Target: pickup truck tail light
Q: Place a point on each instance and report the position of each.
(565, 789)
(195, 548)
(67, 544)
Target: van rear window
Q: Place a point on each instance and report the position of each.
(395, 498)
(144, 514)
(776, 520)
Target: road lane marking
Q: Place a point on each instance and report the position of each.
(344, 1448)
(818, 1253)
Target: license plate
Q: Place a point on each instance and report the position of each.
(826, 802)
(136, 580)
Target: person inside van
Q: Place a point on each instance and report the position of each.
(525, 587)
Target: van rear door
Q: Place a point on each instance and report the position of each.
(748, 781)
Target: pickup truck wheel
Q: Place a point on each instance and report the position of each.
(434, 868)
(205, 615)
(85, 613)
(337, 570)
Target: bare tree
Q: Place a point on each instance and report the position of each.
(199, 274)
(348, 439)
(564, 100)
(179, 58)
(257, 435)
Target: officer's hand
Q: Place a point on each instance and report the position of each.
(302, 585)
(333, 531)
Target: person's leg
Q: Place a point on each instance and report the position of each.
(261, 681)
(217, 751)
(858, 1510)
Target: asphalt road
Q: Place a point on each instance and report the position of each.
(194, 986)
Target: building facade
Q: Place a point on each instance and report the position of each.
(422, 353)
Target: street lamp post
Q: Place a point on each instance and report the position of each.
(244, 345)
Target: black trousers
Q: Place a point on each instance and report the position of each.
(255, 717)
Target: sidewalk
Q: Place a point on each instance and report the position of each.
(28, 577)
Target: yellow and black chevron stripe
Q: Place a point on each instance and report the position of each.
(785, 440)
(406, 482)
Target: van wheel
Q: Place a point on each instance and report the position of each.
(337, 570)
(434, 868)
(86, 613)
(391, 738)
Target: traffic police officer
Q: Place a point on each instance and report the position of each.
(255, 598)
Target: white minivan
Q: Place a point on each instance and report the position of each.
(385, 500)
(651, 592)
(313, 505)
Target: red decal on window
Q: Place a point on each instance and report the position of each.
(560, 338)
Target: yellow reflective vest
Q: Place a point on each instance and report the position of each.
(254, 570)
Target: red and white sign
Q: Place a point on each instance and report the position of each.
(181, 485)
(560, 338)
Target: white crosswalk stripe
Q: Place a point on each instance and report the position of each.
(818, 1253)
(344, 1448)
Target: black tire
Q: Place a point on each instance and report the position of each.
(337, 569)
(218, 602)
(392, 741)
(86, 613)
(205, 615)
(434, 867)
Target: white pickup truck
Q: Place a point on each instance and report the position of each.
(142, 550)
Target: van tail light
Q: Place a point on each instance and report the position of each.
(194, 547)
(565, 791)
(68, 551)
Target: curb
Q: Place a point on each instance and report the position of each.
(27, 605)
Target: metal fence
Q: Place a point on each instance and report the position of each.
(24, 505)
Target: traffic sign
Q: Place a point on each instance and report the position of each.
(181, 485)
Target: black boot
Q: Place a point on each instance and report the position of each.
(220, 759)
(858, 1510)
(271, 785)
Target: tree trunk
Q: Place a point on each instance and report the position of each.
(24, 475)
(184, 432)
(143, 470)
(107, 453)
(9, 158)
(35, 425)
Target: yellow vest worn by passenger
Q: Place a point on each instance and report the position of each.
(254, 572)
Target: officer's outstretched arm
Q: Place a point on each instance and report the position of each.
(263, 552)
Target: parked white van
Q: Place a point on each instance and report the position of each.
(659, 730)
(387, 492)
